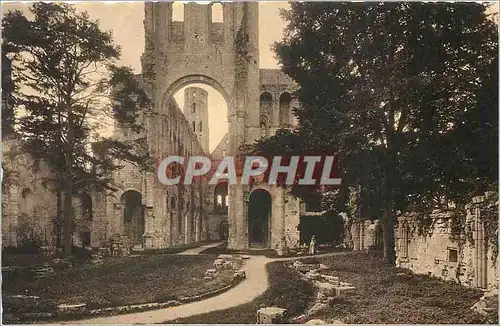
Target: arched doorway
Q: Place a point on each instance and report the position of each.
(133, 216)
(221, 201)
(259, 216)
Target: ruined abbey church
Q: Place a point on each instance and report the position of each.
(215, 45)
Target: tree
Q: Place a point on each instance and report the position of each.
(64, 75)
(392, 82)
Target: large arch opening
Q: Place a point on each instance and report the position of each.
(206, 111)
(259, 217)
(133, 216)
(177, 11)
(221, 198)
(217, 13)
(285, 101)
(202, 129)
(266, 103)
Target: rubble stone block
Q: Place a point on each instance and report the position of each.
(70, 309)
(326, 288)
(299, 319)
(344, 290)
(334, 280)
(211, 273)
(322, 267)
(312, 275)
(219, 263)
(270, 315)
(304, 268)
(225, 256)
(316, 322)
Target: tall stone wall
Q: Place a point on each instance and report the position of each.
(29, 204)
(467, 258)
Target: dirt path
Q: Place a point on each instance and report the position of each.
(198, 250)
(254, 285)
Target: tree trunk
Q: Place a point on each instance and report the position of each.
(68, 188)
(388, 231)
(59, 218)
(68, 215)
(388, 219)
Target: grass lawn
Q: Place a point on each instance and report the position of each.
(124, 281)
(383, 297)
(286, 290)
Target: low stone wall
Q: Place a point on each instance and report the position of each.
(467, 258)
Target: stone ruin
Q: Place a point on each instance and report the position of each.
(226, 262)
(119, 246)
(467, 258)
(271, 315)
(328, 287)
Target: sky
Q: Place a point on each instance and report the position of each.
(125, 21)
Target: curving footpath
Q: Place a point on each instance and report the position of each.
(254, 285)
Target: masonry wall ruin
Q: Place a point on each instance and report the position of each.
(215, 45)
(468, 257)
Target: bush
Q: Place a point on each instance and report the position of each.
(81, 254)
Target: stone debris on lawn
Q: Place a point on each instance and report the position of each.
(337, 322)
(61, 263)
(304, 268)
(344, 289)
(97, 259)
(334, 280)
(240, 274)
(326, 288)
(345, 284)
(23, 297)
(322, 267)
(67, 309)
(218, 263)
(299, 319)
(137, 248)
(225, 256)
(312, 275)
(316, 322)
(245, 257)
(210, 274)
(270, 315)
(481, 306)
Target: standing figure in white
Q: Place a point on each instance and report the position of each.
(312, 246)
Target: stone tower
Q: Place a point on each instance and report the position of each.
(189, 45)
(196, 113)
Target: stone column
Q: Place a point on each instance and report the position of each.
(10, 215)
(149, 228)
(480, 247)
(280, 225)
(246, 197)
(355, 236)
